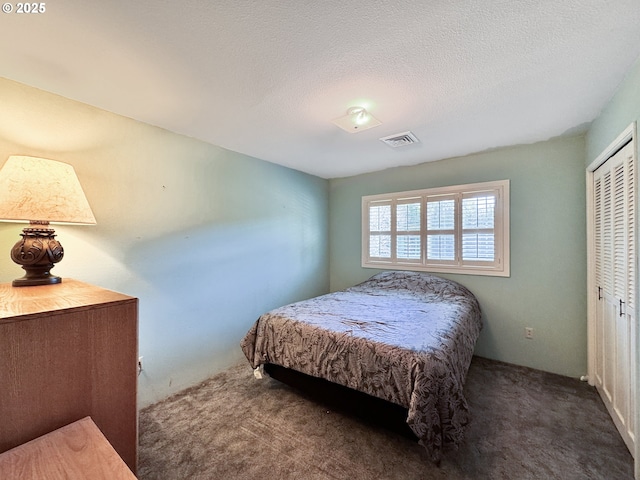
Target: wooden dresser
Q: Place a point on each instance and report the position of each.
(68, 351)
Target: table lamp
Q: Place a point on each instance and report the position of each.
(39, 191)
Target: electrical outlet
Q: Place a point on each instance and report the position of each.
(528, 333)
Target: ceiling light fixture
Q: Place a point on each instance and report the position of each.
(357, 120)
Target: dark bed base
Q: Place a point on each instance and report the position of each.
(371, 409)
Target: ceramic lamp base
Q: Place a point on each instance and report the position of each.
(37, 253)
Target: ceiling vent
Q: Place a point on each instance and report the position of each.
(400, 139)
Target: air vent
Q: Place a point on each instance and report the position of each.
(400, 139)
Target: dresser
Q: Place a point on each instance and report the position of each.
(68, 351)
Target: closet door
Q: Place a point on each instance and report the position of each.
(615, 275)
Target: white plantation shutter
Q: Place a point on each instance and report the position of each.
(380, 230)
(478, 225)
(408, 238)
(461, 228)
(441, 229)
(458, 229)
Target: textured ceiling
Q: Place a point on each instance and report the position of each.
(266, 78)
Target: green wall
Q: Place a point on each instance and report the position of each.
(208, 239)
(547, 286)
(620, 111)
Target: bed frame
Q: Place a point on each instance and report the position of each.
(371, 409)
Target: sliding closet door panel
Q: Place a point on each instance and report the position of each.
(599, 280)
(597, 263)
(631, 230)
(629, 309)
(607, 307)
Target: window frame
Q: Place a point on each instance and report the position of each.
(500, 266)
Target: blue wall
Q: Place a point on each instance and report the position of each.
(208, 239)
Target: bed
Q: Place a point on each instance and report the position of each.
(403, 337)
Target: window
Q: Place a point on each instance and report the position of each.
(458, 229)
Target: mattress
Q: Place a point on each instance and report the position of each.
(405, 337)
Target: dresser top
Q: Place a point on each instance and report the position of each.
(18, 302)
(77, 451)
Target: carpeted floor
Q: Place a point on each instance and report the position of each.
(526, 425)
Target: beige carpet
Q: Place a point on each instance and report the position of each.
(526, 425)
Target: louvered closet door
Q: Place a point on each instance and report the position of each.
(615, 246)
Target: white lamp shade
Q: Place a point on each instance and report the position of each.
(36, 189)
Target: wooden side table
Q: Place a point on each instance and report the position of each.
(68, 351)
(78, 451)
